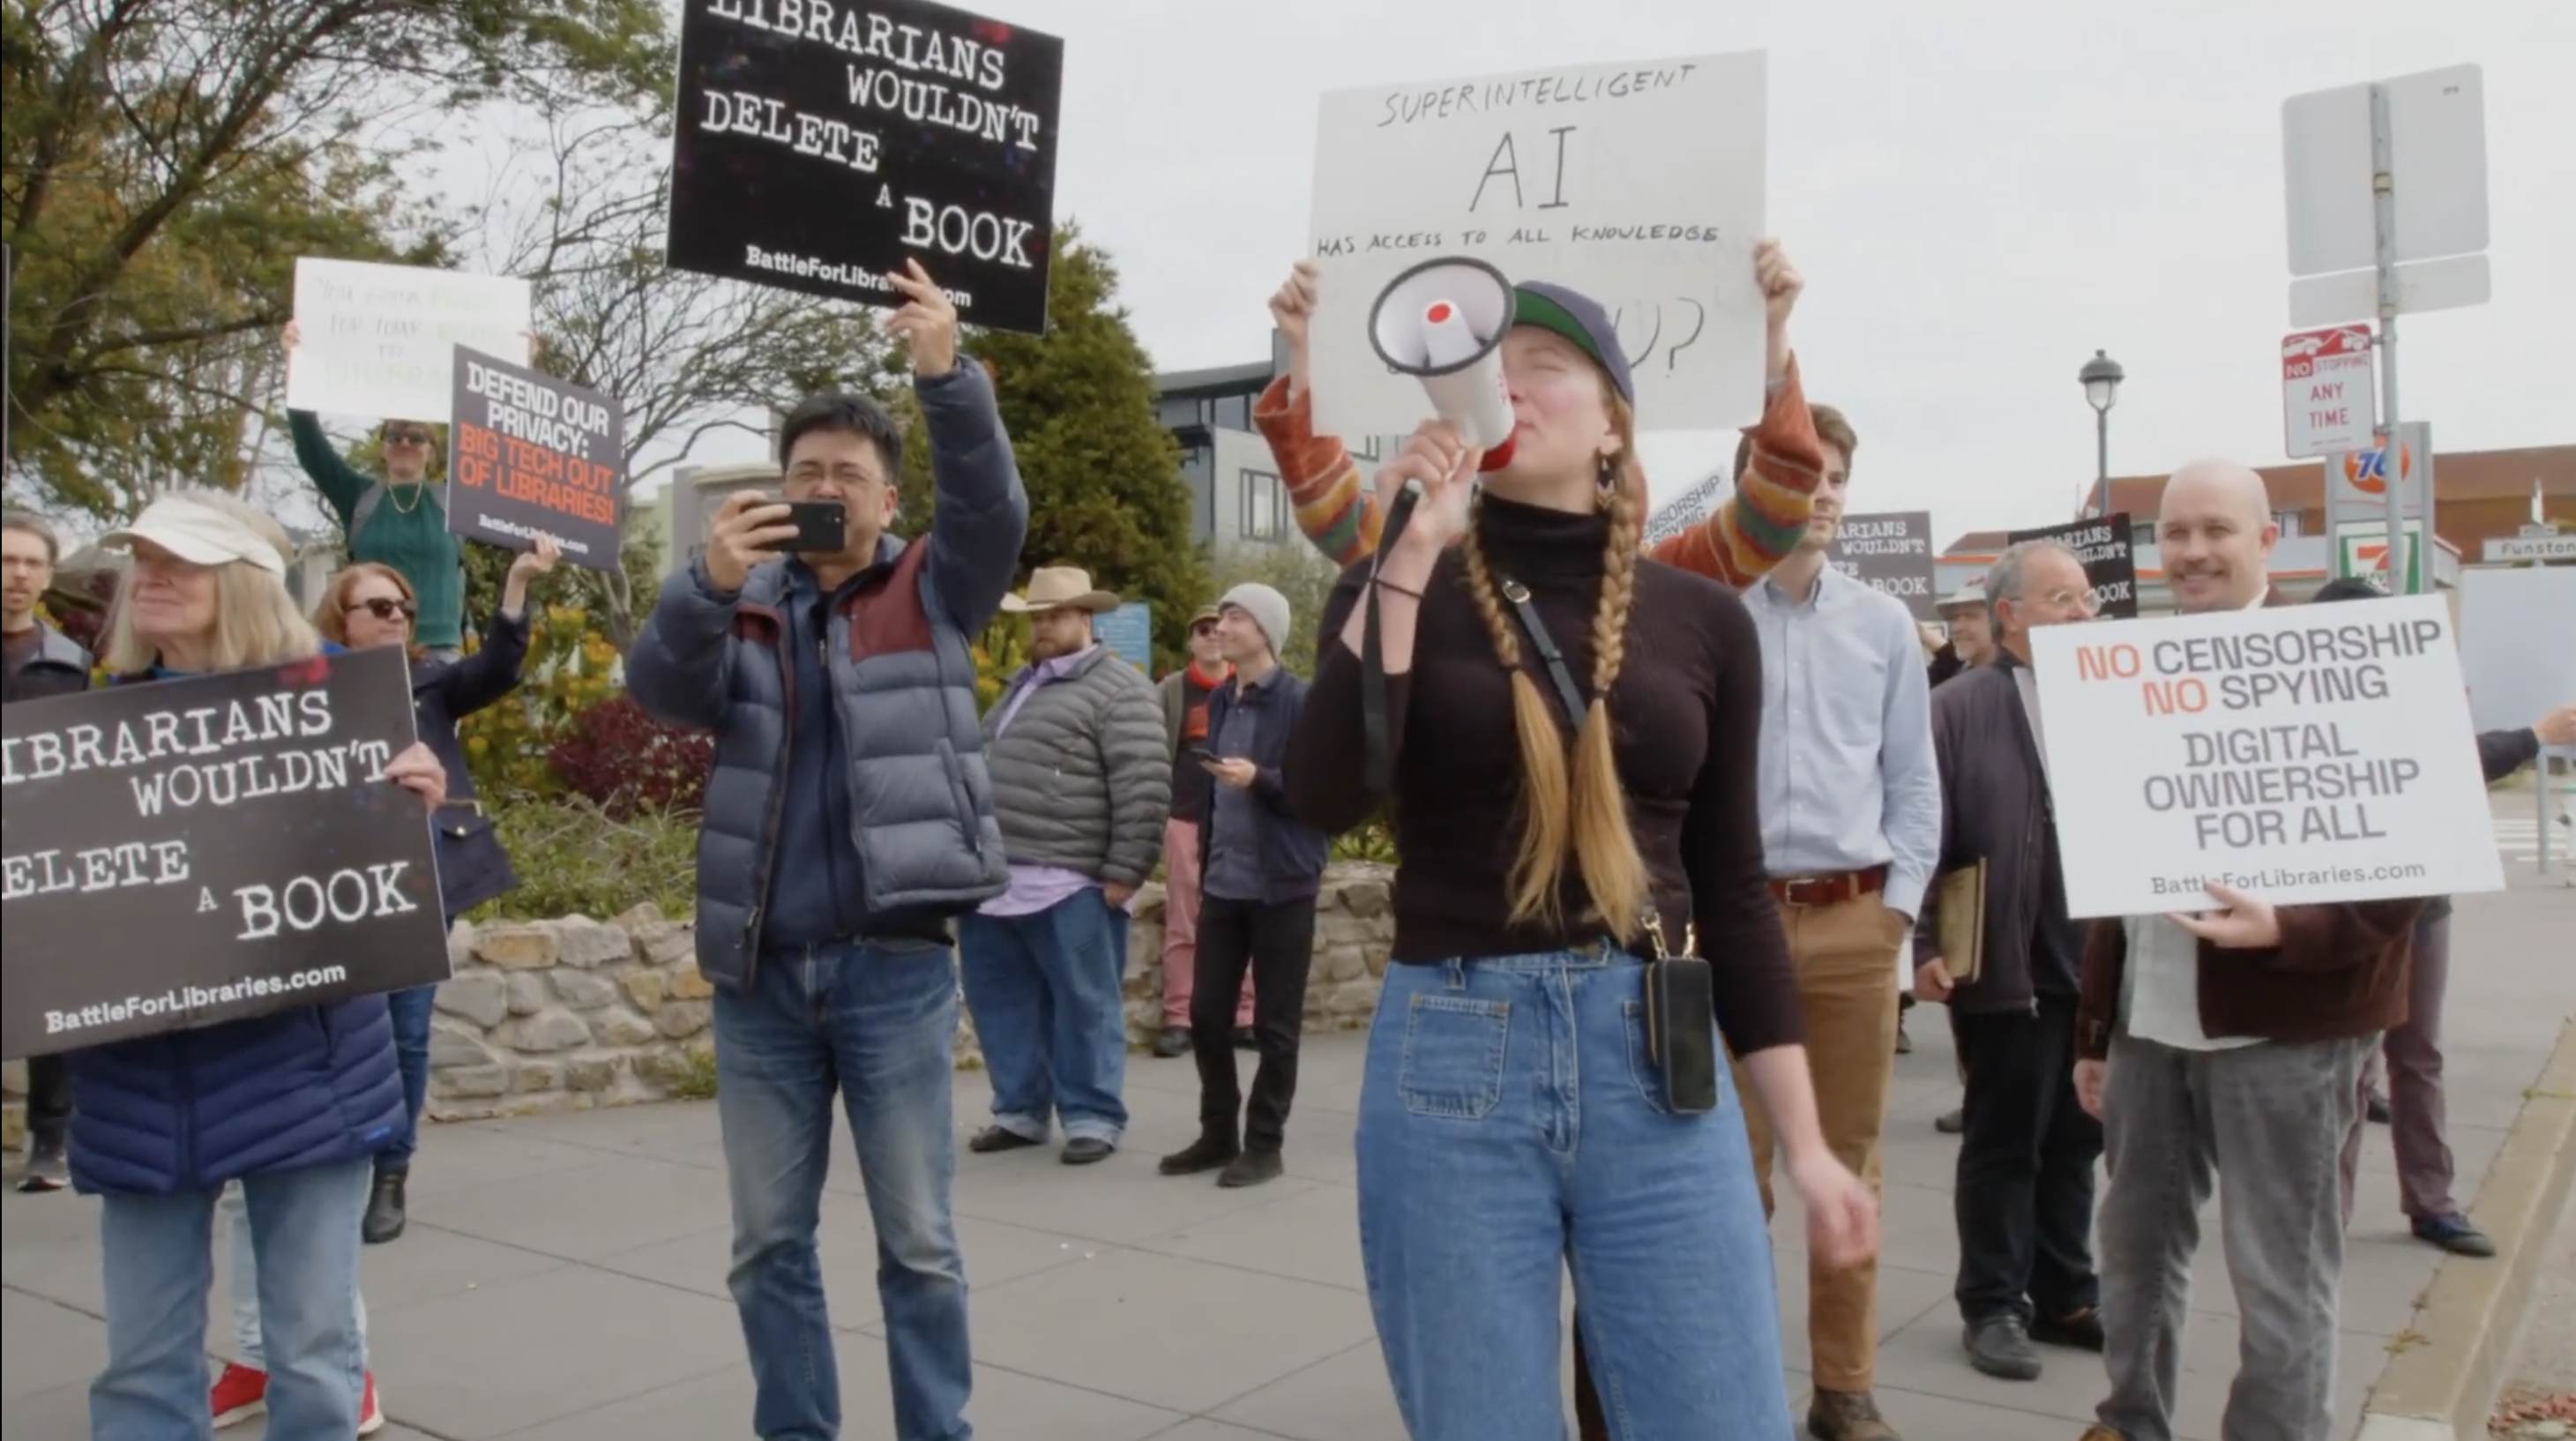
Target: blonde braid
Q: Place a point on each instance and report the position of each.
(1538, 862)
(1605, 845)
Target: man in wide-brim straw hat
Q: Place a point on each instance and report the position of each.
(1082, 782)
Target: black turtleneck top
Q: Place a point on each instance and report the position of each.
(1687, 709)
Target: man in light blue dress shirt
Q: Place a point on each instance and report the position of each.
(1851, 825)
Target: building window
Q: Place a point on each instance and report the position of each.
(2142, 532)
(1233, 412)
(1263, 507)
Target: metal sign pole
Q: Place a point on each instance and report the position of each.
(2383, 211)
(2540, 794)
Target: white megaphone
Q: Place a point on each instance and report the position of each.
(1442, 322)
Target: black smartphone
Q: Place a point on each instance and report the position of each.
(821, 525)
(1681, 1032)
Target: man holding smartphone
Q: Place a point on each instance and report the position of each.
(849, 815)
(1260, 871)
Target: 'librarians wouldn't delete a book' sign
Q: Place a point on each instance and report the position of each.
(210, 849)
(820, 146)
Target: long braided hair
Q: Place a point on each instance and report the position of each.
(1584, 812)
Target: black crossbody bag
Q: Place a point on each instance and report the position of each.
(1681, 989)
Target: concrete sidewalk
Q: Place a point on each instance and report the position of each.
(563, 1279)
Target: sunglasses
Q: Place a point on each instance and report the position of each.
(383, 609)
(406, 437)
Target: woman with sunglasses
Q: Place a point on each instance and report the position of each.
(398, 521)
(1512, 1120)
(290, 1105)
(369, 605)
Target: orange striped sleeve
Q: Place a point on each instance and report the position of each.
(1334, 507)
(1755, 528)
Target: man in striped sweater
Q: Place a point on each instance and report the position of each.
(1778, 464)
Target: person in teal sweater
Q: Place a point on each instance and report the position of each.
(400, 521)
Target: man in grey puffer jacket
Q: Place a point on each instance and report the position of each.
(1082, 781)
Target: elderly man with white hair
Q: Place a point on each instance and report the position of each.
(2229, 1043)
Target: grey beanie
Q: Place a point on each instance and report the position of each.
(1268, 609)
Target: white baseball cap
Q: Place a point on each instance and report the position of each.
(200, 534)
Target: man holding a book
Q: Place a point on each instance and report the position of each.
(1994, 942)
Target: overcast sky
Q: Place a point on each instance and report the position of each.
(1980, 194)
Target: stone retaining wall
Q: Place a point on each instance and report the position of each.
(569, 1014)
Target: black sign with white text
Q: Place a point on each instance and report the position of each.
(1891, 554)
(532, 455)
(193, 851)
(2103, 545)
(820, 145)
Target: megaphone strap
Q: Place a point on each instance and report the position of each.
(1568, 693)
(1377, 743)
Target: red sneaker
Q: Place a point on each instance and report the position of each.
(240, 1393)
(371, 1417)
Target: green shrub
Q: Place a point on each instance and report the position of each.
(1372, 841)
(573, 858)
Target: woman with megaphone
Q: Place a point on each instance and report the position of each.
(1566, 732)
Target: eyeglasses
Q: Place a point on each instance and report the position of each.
(383, 609)
(406, 437)
(2083, 600)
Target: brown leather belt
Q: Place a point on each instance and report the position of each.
(1828, 890)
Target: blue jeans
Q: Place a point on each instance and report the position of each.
(233, 1214)
(875, 1026)
(1511, 1123)
(1047, 993)
(158, 1255)
(411, 1051)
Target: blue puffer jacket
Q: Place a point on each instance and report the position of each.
(190, 1110)
(919, 795)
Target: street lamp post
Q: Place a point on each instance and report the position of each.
(2101, 376)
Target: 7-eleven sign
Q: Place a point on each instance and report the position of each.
(2363, 551)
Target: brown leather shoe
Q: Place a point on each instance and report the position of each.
(1847, 1416)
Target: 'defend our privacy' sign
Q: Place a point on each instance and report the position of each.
(210, 849)
(820, 145)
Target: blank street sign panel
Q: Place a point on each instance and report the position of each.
(2438, 160)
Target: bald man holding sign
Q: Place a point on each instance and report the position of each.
(2229, 1042)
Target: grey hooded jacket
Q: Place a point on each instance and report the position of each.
(920, 796)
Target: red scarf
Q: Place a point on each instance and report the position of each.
(1194, 727)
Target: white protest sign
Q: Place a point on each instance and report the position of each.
(2298, 753)
(380, 340)
(2327, 404)
(1639, 185)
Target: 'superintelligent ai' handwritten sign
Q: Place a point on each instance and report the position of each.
(2299, 753)
(1640, 185)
